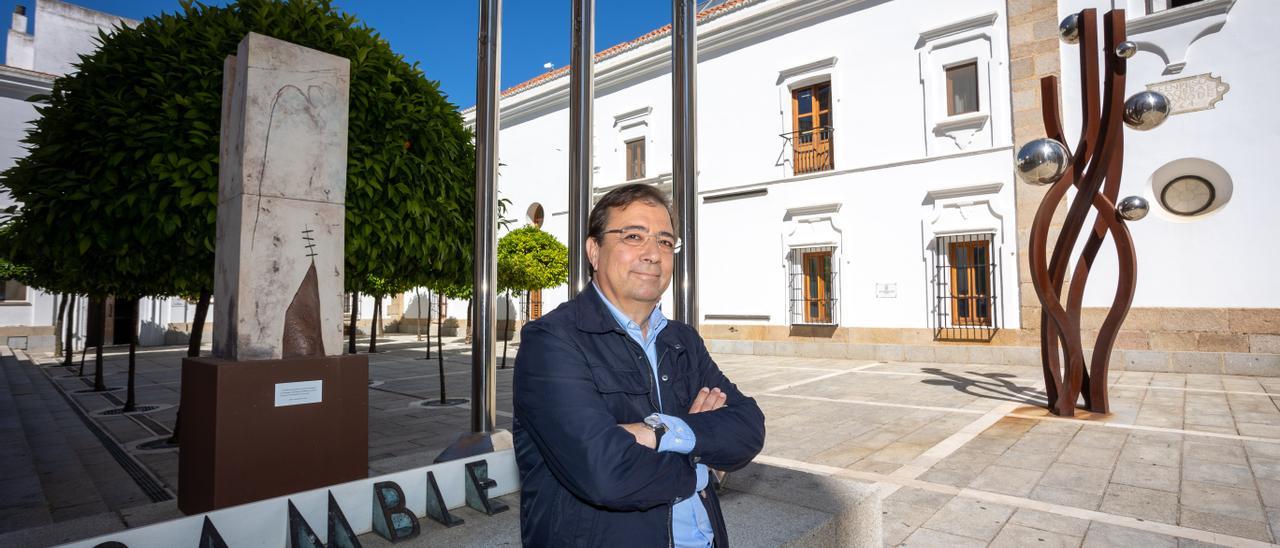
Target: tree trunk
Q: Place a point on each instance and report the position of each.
(428, 321)
(130, 402)
(373, 329)
(197, 324)
(471, 332)
(417, 293)
(355, 315)
(57, 324)
(98, 385)
(506, 306)
(70, 346)
(440, 345)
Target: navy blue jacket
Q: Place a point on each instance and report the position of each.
(583, 480)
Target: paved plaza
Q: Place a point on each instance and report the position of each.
(963, 455)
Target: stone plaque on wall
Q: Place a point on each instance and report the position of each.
(1193, 93)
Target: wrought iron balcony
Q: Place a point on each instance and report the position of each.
(811, 149)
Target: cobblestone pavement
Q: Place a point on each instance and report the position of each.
(964, 455)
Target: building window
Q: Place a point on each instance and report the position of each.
(811, 128)
(967, 288)
(962, 88)
(12, 291)
(535, 215)
(535, 304)
(1161, 5)
(813, 286)
(635, 159)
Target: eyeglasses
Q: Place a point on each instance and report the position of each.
(636, 237)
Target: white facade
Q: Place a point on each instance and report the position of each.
(904, 174)
(1221, 57)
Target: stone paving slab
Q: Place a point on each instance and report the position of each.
(1184, 458)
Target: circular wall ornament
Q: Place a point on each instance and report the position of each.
(1188, 195)
(1187, 190)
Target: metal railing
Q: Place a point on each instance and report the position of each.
(821, 306)
(966, 290)
(812, 149)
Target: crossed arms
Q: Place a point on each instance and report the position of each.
(559, 403)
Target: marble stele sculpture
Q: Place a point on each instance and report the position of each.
(278, 408)
(280, 200)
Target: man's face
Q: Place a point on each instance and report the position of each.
(630, 275)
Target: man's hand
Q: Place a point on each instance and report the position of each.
(708, 400)
(643, 434)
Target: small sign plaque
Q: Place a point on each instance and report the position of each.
(1193, 93)
(298, 393)
(886, 291)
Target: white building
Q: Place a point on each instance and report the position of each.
(59, 33)
(857, 196)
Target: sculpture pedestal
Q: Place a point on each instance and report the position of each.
(246, 435)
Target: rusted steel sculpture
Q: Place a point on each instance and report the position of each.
(1094, 169)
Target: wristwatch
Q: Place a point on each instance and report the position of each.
(654, 422)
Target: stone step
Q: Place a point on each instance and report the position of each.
(1155, 361)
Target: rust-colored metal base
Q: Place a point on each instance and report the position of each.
(237, 446)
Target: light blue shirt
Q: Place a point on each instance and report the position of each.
(690, 524)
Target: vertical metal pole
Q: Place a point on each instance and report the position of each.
(483, 367)
(581, 97)
(684, 155)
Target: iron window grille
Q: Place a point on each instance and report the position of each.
(967, 285)
(813, 281)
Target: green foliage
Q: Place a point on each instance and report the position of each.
(121, 181)
(530, 259)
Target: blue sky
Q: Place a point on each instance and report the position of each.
(441, 34)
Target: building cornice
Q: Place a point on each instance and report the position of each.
(958, 27)
(21, 84)
(1174, 16)
(717, 35)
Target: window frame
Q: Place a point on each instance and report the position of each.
(947, 72)
(821, 144)
(632, 172)
(22, 298)
(971, 297)
(824, 300)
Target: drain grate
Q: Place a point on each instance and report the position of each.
(121, 411)
(106, 392)
(141, 476)
(159, 444)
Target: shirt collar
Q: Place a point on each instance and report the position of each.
(656, 319)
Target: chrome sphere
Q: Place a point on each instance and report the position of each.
(1042, 161)
(1133, 208)
(1069, 29)
(1146, 110)
(1126, 49)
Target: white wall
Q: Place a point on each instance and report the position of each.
(65, 31)
(1225, 258)
(891, 145)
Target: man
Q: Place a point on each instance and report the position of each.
(620, 412)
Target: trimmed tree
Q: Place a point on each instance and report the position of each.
(126, 149)
(119, 189)
(529, 259)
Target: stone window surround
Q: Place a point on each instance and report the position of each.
(966, 41)
(630, 126)
(809, 226)
(800, 76)
(1181, 27)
